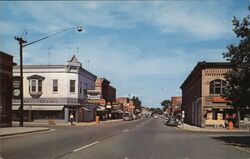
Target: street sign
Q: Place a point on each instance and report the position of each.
(16, 87)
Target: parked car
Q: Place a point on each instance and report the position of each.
(172, 122)
(127, 117)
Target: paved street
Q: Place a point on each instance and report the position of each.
(140, 139)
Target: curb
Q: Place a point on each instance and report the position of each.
(241, 149)
(77, 124)
(215, 131)
(27, 132)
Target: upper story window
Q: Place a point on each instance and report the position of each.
(80, 90)
(55, 85)
(217, 86)
(72, 86)
(35, 85)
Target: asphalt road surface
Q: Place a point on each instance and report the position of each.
(139, 139)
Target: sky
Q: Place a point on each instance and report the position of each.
(144, 48)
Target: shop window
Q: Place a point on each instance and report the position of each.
(217, 86)
(215, 114)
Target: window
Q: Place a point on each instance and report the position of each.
(39, 86)
(80, 88)
(55, 85)
(33, 85)
(36, 85)
(72, 86)
(215, 114)
(217, 86)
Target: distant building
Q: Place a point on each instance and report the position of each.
(102, 96)
(6, 77)
(201, 94)
(145, 112)
(56, 91)
(128, 105)
(107, 92)
(175, 107)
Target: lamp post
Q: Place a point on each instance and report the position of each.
(22, 44)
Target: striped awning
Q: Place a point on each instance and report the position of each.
(39, 107)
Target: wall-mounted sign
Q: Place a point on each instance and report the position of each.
(220, 100)
(108, 106)
(16, 87)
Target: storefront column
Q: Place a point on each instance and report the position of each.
(66, 114)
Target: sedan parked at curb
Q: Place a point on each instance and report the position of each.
(172, 122)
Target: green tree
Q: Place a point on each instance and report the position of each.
(137, 102)
(156, 110)
(165, 104)
(238, 88)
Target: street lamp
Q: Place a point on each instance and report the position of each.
(22, 44)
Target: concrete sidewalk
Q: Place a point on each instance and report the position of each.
(209, 129)
(10, 131)
(63, 123)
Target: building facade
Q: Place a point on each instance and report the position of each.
(56, 91)
(175, 107)
(128, 105)
(107, 92)
(202, 95)
(6, 78)
(102, 96)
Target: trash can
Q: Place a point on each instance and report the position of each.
(97, 119)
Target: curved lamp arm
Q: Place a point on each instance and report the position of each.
(79, 29)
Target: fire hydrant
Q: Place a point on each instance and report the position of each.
(97, 119)
(230, 125)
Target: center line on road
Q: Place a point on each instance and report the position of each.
(86, 146)
(125, 130)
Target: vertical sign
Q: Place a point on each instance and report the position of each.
(16, 87)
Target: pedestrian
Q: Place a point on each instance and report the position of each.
(71, 117)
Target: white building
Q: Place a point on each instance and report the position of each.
(55, 91)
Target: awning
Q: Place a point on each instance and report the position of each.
(86, 109)
(16, 107)
(38, 107)
(117, 111)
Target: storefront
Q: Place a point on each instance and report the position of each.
(34, 112)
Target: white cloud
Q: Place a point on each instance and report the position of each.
(193, 19)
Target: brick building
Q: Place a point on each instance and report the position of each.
(6, 69)
(107, 92)
(201, 94)
(175, 107)
(128, 105)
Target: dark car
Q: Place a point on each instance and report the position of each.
(172, 122)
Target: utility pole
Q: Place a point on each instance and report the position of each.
(21, 42)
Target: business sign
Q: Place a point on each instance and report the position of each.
(102, 102)
(220, 100)
(109, 106)
(16, 87)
